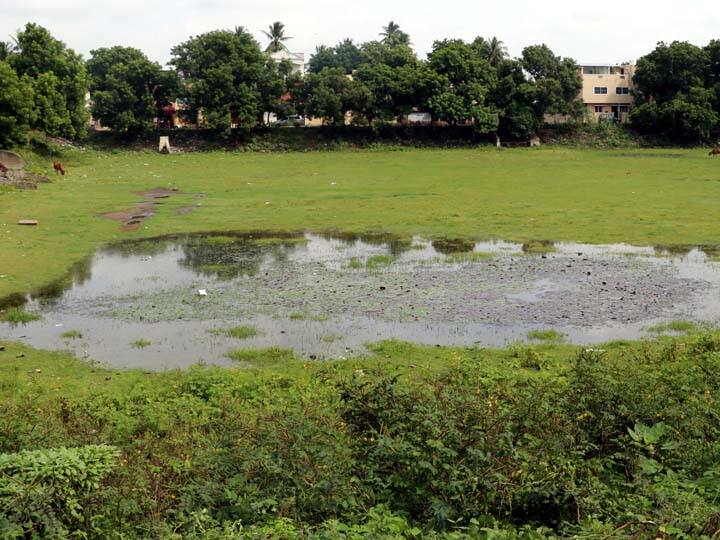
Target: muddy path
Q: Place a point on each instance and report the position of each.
(131, 218)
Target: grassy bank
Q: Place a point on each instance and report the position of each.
(635, 196)
(413, 442)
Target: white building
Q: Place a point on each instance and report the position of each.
(297, 59)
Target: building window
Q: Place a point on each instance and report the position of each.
(601, 89)
(599, 108)
(624, 108)
(622, 90)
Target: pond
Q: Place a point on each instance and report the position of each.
(171, 302)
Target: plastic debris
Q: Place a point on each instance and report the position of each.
(202, 292)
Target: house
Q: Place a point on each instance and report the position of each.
(607, 91)
(296, 59)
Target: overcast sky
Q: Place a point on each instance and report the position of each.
(583, 30)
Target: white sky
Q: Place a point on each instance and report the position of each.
(580, 29)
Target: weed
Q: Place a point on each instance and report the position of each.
(672, 326)
(237, 332)
(140, 343)
(471, 257)
(550, 336)
(17, 315)
(378, 261)
(71, 334)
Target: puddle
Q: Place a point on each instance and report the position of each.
(326, 296)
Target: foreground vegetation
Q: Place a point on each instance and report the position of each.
(412, 442)
(645, 197)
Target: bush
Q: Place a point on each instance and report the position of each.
(42, 491)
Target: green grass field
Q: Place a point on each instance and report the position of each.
(635, 196)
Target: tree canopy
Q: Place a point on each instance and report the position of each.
(58, 78)
(16, 107)
(128, 90)
(220, 72)
(678, 91)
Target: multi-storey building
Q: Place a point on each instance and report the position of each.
(608, 91)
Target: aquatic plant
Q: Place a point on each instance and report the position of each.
(17, 315)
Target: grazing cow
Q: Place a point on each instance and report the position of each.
(58, 168)
(715, 151)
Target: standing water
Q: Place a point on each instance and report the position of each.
(173, 302)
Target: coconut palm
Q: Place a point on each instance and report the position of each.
(277, 36)
(496, 51)
(392, 35)
(8, 47)
(6, 50)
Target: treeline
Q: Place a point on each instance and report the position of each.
(225, 80)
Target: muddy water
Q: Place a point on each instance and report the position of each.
(327, 296)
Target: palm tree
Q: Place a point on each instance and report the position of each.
(276, 35)
(392, 35)
(239, 30)
(496, 51)
(6, 49)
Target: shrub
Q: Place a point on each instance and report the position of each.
(42, 491)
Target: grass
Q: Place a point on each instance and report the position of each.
(272, 356)
(17, 315)
(71, 334)
(297, 316)
(378, 261)
(672, 326)
(597, 196)
(549, 336)
(140, 343)
(237, 332)
(471, 257)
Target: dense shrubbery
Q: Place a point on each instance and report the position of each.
(622, 442)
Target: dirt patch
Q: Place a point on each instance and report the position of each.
(184, 210)
(132, 218)
(159, 193)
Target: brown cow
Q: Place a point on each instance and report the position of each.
(58, 168)
(715, 151)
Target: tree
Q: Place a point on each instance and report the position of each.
(670, 69)
(392, 35)
(50, 105)
(677, 91)
(470, 80)
(277, 37)
(128, 90)
(6, 49)
(557, 81)
(16, 107)
(54, 69)
(494, 50)
(275, 88)
(345, 55)
(220, 73)
(330, 94)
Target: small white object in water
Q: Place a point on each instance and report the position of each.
(58, 325)
(202, 292)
